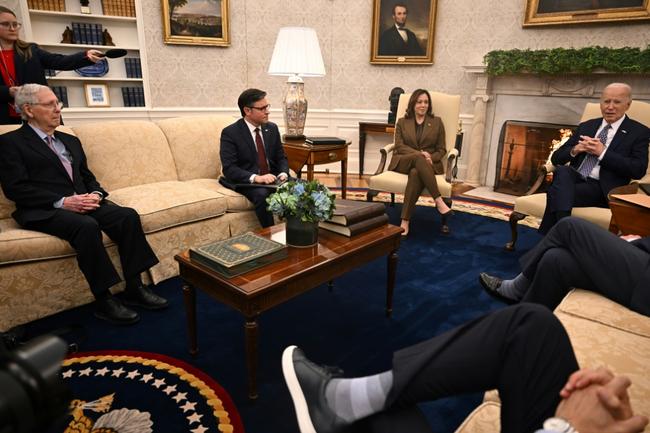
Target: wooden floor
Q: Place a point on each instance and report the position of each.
(354, 181)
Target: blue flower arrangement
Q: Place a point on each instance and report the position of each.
(308, 201)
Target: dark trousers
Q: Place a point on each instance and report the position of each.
(420, 175)
(577, 253)
(522, 351)
(568, 190)
(258, 197)
(84, 232)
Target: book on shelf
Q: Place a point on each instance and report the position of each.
(324, 140)
(239, 254)
(350, 211)
(356, 228)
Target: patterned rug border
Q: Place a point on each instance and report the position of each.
(225, 411)
(461, 203)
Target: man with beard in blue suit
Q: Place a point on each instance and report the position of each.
(251, 153)
(602, 154)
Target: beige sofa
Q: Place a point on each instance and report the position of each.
(166, 170)
(602, 333)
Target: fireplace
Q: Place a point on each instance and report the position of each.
(523, 148)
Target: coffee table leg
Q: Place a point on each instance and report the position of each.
(390, 282)
(189, 296)
(250, 329)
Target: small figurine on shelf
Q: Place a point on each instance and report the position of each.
(108, 39)
(68, 36)
(85, 6)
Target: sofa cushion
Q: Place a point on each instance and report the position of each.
(19, 245)
(167, 204)
(484, 419)
(236, 202)
(535, 204)
(194, 143)
(126, 153)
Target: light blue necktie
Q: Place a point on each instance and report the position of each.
(590, 160)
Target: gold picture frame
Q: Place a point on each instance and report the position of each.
(557, 12)
(97, 95)
(188, 22)
(415, 45)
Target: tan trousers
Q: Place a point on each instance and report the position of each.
(421, 175)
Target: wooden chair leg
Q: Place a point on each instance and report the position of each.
(371, 194)
(392, 199)
(515, 217)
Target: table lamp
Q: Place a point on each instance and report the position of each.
(296, 55)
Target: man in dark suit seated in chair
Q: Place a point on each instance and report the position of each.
(602, 154)
(45, 173)
(251, 153)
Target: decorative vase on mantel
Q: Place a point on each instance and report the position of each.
(301, 234)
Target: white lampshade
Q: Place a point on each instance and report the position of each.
(297, 52)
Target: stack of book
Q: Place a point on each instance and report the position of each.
(238, 254)
(133, 67)
(353, 217)
(324, 140)
(133, 96)
(61, 93)
(47, 5)
(122, 8)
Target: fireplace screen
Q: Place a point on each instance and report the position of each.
(523, 148)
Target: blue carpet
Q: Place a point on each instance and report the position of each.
(436, 289)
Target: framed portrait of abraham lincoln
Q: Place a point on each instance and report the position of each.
(403, 32)
(555, 12)
(196, 22)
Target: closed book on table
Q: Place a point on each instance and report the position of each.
(349, 211)
(324, 140)
(239, 254)
(356, 228)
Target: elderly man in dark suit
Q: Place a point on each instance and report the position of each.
(577, 253)
(252, 154)
(398, 40)
(602, 154)
(46, 174)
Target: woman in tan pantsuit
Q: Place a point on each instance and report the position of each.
(419, 149)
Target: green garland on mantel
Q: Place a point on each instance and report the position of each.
(568, 61)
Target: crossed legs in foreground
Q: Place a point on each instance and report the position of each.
(577, 253)
(523, 351)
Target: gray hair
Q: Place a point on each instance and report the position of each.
(26, 94)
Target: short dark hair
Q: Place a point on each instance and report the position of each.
(400, 5)
(410, 110)
(248, 97)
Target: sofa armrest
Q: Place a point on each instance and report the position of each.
(385, 153)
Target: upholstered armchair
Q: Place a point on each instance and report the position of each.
(447, 107)
(533, 202)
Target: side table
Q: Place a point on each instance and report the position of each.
(371, 128)
(628, 218)
(300, 154)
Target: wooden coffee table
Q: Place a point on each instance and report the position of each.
(259, 290)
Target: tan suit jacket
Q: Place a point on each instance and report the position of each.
(407, 144)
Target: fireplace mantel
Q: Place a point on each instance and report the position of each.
(531, 97)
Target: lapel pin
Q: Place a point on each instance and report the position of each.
(623, 131)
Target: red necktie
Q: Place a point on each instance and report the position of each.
(261, 154)
(64, 160)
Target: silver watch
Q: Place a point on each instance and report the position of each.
(559, 425)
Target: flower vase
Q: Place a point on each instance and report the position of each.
(301, 234)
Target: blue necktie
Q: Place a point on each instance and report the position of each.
(590, 160)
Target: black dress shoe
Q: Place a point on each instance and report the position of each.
(112, 310)
(491, 285)
(306, 382)
(142, 296)
(444, 228)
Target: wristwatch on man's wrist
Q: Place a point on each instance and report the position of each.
(559, 425)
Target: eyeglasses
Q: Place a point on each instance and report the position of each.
(11, 25)
(263, 108)
(51, 105)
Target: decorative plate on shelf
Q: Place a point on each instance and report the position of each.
(99, 69)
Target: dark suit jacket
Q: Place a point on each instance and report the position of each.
(392, 44)
(32, 71)
(432, 140)
(626, 157)
(33, 177)
(239, 154)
